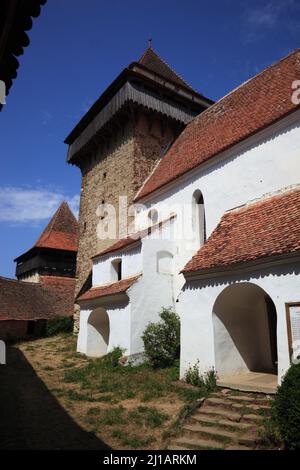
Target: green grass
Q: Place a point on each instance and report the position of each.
(131, 441)
(108, 417)
(105, 386)
(149, 416)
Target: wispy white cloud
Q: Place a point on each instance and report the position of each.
(271, 15)
(22, 205)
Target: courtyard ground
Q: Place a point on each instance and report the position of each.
(54, 398)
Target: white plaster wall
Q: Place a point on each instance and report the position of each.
(119, 325)
(152, 292)
(264, 163)
(131, 265)
(196, 304)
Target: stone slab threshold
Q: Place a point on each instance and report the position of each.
(250, 382)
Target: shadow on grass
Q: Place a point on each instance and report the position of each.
(31, 417)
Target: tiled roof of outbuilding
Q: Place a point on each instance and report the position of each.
(258, 230)
(21, 300)
(109, 289)
(254, 105)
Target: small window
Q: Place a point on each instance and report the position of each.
(153, 216)
(104, 175)
(116, 270)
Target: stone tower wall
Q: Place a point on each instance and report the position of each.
(117, 168)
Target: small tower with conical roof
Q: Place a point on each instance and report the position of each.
(54, 253)
(120, 139)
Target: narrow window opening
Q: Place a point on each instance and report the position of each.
(117, 270)
(199, 223)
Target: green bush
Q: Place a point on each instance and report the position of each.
(207, 381)
(162, 339)
(111, 359)
(59, 325)
(286, 408)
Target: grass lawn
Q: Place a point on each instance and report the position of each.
(126, 407)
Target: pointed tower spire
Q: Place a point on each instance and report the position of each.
(54, 252)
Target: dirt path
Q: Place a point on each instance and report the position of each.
(31, 417)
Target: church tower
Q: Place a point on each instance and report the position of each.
(120, 139)
(54, 253)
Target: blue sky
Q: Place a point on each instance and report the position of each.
(78, 47)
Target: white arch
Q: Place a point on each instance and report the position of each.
(97, 333)
(244, 321)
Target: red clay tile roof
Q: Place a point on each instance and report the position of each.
(249, 108)
(63, 289)
(21, 300)
(61, 232)
(134, 238)
(109, 289)
(258, 230)
(152, 61)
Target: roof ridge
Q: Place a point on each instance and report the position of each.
(214, 105)
(150, 49)
(168, 65)
(128, 278)
(229, 105)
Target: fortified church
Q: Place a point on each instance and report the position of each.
(214, 201)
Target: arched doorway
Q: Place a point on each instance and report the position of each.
(97, 333)
(245, 322)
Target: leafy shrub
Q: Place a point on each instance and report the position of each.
(269, 433)
(206, 381)
(59, 325)
(286, 408)
(111, 359)
(162, 339)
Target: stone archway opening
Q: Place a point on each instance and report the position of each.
(98, 333)
(245, 323)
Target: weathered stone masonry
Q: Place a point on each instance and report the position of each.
(120, 139)
(117, 169)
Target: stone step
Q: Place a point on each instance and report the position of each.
(255, 409)
(227, 403)
(218, 421)
(211, 431)
(253, 418)
(198, 444)
(222, 402)
(243, 399)
(215, 411)
(249, 440)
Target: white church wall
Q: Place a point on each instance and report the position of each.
(262, 164)
(196, 303)
(152, 292)
(119, 329)
(131, 265)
